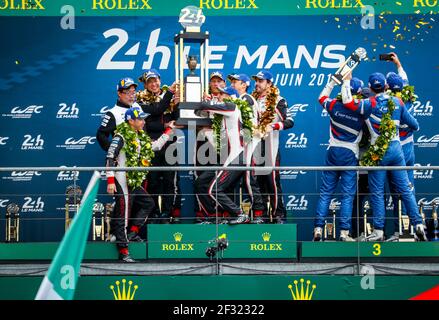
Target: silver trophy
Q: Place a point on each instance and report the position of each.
(329, 233)
(424, 220)
(109, 207)
(12, 223)
(349, 65)
(367, 228)
(434, 224)
(194, 85)
(98, 222)
(73, 200)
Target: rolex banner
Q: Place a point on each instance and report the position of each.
(60, 281)
(244, 241)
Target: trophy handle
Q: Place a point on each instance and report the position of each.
(8, 227)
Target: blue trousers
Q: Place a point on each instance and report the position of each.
(399, 179)
(409, 156)
(337, 156)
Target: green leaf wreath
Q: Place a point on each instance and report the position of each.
(246, 116)
(216, 127)
(247, 123)
(387, 130)
(132, 141)
(407, 94)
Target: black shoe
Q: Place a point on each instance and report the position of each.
(134, 237)
(257, 220)
(126, 258)
(241, 219)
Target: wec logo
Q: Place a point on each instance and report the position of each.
(21, 176)
(425, 142)
(79, 144)
(102, 112)
(67, 112)
(291, 174)
(428, 205)
(296, 108)
(105, 109)
(3, 203)
(26, 113)
(3, 140)
(28, 110)
(82, 141)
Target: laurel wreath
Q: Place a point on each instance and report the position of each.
(269, 114)
(407, 94)
(387, 130)
(247, 123)
(135, 140)
(246, 116)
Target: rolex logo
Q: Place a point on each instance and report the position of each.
(124, 293)
(264, 246)
(178, 236)
(299, 292)
(178, 246)
(266, 236)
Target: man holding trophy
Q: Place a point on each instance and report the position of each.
(345, 134)
(384, 115)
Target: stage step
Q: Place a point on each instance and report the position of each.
(46, 250)
(369, 250)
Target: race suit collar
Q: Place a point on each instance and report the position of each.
(123, 105)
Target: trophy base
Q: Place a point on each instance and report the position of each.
(199, 122)
(406, 238)
(187, 115)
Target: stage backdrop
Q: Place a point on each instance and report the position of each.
(56, 84)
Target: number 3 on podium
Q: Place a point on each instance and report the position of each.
(377, 250)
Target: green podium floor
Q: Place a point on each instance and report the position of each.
(369, 250)
(187, 242)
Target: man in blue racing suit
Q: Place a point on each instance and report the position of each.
(345, 134)
(374, 109)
